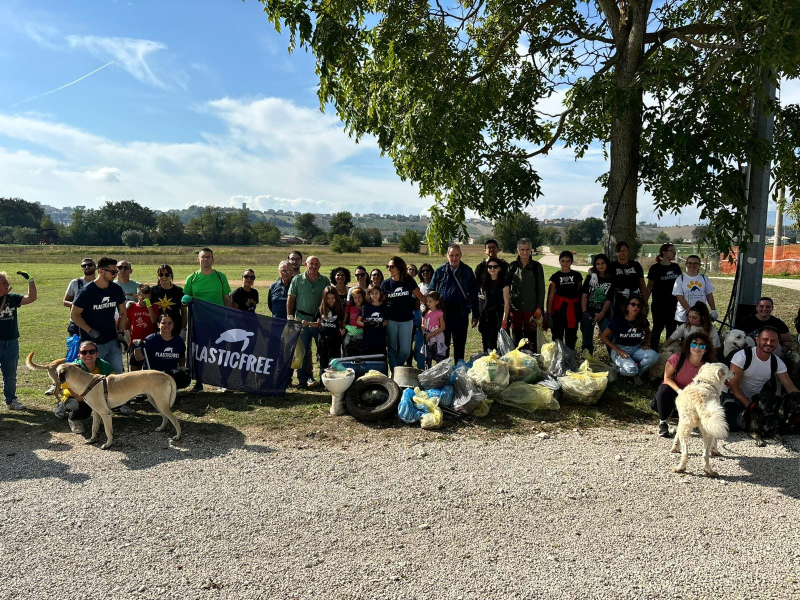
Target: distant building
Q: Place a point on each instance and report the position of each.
(292, 240)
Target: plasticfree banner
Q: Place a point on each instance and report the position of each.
(241, 350)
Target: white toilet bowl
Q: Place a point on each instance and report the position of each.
(337, 383)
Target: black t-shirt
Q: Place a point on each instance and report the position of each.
(597, 293)
(164, 355)
(330, 326)
(663, 278)
(626, 277)
(246, 301)
(374, 341)
(625, 333)
(400, 299)
(99, 310)
(568, 285)
(168, 302)
(750, 325)
(495, 302)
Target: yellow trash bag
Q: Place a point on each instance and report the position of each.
(521, 366)
(583, 387)
(593, 365)
(489, 373)
(483, 408)
(299, 355)
(539, 320)
(433, 418)
(529, 397)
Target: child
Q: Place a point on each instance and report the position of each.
(330, 320)
(373, 320)
(141, 319)
(355, 332)
(433, 326)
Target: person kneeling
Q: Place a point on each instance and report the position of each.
(680, 370)
(165, 352)
(75, 409)
(628, 338)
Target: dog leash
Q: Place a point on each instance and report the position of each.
(95, 381)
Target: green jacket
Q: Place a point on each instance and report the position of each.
(526, 286)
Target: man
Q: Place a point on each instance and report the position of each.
(526, 280)
(279, 291)
(455, 282)
(491, 248)
(207, 283)
(75, 286)
(693, 287)
(749, 379)
(128, 285)
(246, 297)
(9, 335)
(94, 312)
(763, 318)
(305, 296)
(296, 259)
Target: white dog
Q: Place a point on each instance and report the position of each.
(698, 406)
(105, 393)
(734, 341)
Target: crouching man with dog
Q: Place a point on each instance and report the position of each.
(78, 411)
(753, 371)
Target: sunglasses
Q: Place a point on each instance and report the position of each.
(493, 267)
(361, 274)
(87, 266)
(253, 277)
(124, 268)
(85, 352)
(426, 271)
(110, 271)
(696, 345)
(390, 267)
(164, 275)
(636, 304)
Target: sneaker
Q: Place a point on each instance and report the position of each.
(126, 410)
(16, 405)
(197, 387)
(637, 381)
(51, 390)
(302, 386)
(76, 426)
(663, 429)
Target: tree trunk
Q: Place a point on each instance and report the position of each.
(626, 128)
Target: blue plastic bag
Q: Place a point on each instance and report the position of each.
(408, 411)
(73, 343)
(445, 395)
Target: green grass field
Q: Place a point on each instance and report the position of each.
(43, 330)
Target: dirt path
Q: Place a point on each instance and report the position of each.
(551, 260)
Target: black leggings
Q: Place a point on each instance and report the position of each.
(663, 320)
(664, 402)
(489, 326)
(560, 331)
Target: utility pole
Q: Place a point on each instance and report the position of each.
(752, 262)
(778, 226)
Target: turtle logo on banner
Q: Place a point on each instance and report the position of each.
(241, 350)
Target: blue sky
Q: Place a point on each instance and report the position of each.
(201, 104)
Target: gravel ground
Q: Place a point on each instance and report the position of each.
(395, 514)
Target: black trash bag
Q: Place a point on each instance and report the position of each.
(437, 376)
(563, 360)
(466, 394)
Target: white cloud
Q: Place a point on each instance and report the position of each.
(132, 54)
(104, 174)
(43, 35)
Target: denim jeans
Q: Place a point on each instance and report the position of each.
(587, 332)
(112, 353)
(9, 358)
(638, 360)
(398, 341)
(419, 348)
(307, 369)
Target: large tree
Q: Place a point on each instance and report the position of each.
(453, 93)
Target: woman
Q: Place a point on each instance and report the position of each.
(425, 276)
(660, 281)
(376, 277)
(699, 319)
(680, 370)
(628, 277)
(563, 297)
(400, 292)
(411, 269)
(340, 277)
(628, 337)
(494, 313)
(76, 410)
(596, 296)
(693, 287)
(164, 351)
(166, 299)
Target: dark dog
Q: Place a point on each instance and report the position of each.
(789, 414)
(763, 421)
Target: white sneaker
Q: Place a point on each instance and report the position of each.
(16, 405)
(51, 390)
(76, 426)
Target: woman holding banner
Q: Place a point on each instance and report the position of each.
(163, 351)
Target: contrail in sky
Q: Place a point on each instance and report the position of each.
(63, 86)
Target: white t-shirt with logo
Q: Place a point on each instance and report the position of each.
(694, 289)
(757, 374)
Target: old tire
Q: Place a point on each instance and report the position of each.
(372, 398)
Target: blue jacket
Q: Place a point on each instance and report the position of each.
(444, 282)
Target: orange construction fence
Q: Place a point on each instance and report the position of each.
(783, 260)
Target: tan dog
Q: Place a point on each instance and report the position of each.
(698, 406)
(657, 370)
(116, 390)
(50, 368)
